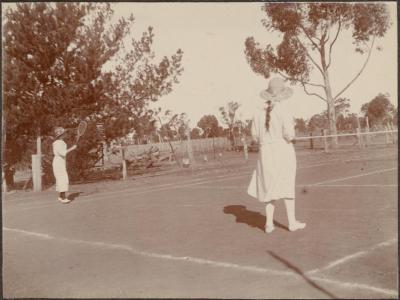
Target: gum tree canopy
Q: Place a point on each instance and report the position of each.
(310, 33)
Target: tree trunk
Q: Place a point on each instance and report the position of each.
(329, 98)
(331, 109)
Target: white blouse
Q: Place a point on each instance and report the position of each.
(60, 148)
(281, 125)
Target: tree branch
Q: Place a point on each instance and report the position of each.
(334, 40)
(307, 35)
(309, 56)
(301, 81)
(359, 73)
(312, 94)
(326, 34)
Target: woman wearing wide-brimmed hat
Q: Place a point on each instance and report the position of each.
(59, 163)
(274, 176)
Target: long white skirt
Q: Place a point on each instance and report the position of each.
(275, 175)
(60, 173)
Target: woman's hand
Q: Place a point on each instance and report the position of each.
(72, 148)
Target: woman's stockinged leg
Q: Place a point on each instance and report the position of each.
(269, 209)
(291, 215)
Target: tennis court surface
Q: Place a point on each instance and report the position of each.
(198, 234)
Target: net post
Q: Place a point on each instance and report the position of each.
(124, 173)
(325, 140)
(36, 173)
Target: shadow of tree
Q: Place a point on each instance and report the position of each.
(251, 218)
(299, 272)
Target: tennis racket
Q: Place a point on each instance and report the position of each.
(81, 130)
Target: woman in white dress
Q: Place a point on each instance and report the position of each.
(274, 176)
(59, 164)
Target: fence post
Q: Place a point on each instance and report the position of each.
(190, 148)
(213, 144)
(311, 141)
(368, 141)
(124, 173)
(359, 137)
(246, 154)
(391, 134)
(325, 141)
(386, 135)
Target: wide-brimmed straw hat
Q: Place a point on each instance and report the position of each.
(277, 91)
(59, 131)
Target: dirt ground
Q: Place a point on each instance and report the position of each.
(196, 233)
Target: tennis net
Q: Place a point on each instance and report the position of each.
(347, 140)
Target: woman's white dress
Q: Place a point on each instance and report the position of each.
(275, 174)
(59, 166)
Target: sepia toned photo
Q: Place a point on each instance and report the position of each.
(215, 150)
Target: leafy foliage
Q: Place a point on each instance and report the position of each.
(228, 114)
(209, 125)
(309, 32)
(300, 125)
(195, 133)
(173, 126)
(54, 75)
(379, 110)
(344, 121)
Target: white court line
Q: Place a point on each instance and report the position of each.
(360, 286)
(202, 261)
(298, 186)
(354, 176)
(352, 256)
(357, 185)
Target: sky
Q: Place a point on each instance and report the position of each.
(212, 37)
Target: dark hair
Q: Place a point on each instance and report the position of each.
(267, 114)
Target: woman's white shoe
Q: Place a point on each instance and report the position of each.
(269, 229)
(66, 200)
(296, 226)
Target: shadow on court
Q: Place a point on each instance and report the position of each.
(73, 196)
(251, 218)
(298, 271)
